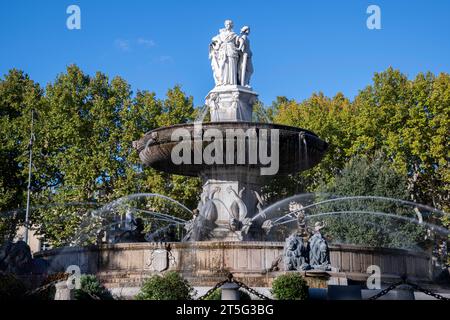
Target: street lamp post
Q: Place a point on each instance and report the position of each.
(30, 164)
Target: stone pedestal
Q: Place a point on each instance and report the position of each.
(231, 103)
(234, 192)
(235, 197)
(230, 291)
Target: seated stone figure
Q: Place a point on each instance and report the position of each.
(319, 256)
(295, 255)
(16, 258)
(135, 235)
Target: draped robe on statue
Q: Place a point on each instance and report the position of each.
(224, 58)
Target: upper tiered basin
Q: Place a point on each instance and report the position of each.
(299, 149)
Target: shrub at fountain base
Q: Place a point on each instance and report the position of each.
(290, 286)
(170, 286)
(91, 289)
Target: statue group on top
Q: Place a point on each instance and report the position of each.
(231, 57)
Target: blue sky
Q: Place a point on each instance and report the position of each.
(300, 47)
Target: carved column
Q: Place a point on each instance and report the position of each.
(234, 189)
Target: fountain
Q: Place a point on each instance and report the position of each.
(232, 229)
(233, 177)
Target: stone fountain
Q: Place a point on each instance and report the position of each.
(234, 156)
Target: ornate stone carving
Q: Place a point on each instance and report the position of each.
(16, 258)
(137, 234)
(260, 203)
(296, 254)
(238, 207)
(302, 253)
(319, 255)
(208, 209)
(267, 226)
(231, 103)
(204, 219)
(158, 260)
(212, 101)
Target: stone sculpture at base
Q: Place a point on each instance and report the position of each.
(136, 234)
(301, 253)
(319, 255)
(16, 258)
(296, 254)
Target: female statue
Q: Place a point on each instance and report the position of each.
(224, 56)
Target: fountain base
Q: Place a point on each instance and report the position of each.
(255, 263)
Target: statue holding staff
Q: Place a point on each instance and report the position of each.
(245, 59)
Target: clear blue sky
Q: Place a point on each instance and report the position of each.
(300, 47)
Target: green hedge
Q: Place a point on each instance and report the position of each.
(91, 289)
(170, 286)
(290, 286)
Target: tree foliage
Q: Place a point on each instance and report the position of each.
(407, 120)
(85, 126)
(83, 150)
(367, 221)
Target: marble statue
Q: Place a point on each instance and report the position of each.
(231, 57)
(207, 208)
(245, 57)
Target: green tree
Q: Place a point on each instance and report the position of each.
(91, 125)
(83, 150)
(329, 119)
(408, 120)
(19, 95)
(363, 221)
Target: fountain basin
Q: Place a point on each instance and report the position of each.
(299, 149)
(206, 263)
